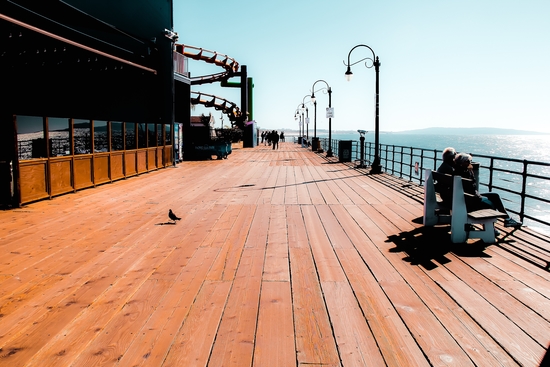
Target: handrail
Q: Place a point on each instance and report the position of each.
(522, 184)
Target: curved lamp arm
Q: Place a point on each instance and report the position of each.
(329, 91)
(374, 61)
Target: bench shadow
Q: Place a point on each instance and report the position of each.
(428, 246)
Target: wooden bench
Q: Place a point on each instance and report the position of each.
(462, 222)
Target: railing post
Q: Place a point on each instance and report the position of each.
(435, 160)
(421, 165)
(523, 191)
(410, 164)
(401, 168)
(392, 159)
(491, 166)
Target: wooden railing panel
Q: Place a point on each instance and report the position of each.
(101, 169)
(61, 175)
(168, 155)
(83, 172)
(160, 160)
(130, 163)
(151, 159)
(33, 178)
(117, 165)
(142, 161)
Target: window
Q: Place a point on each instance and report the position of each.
(117, 137)
(142, 136)
(168, 134)
(60, 137)
(101, 137)
(82, 136)
(30, 137)
(159, 135)
(152, 136)
(130, 135)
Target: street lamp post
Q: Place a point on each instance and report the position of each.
(300, 114)
(306, 121)
(329, 150)
(376, 167)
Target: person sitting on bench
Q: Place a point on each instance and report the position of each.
(447, 167)
(477, 201)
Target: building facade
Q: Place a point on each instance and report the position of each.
(90, 94)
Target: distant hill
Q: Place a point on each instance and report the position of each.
(470, 131)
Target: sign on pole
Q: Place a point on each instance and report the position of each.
(330, 112)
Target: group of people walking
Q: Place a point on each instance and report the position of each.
(272, 138)
(460, 164)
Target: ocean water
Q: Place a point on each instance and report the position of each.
(520, 147)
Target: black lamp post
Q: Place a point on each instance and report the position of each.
(306, 121)
(329, 150)
(300, 114)
(376, 167)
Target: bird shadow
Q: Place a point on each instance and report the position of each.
(166, 223)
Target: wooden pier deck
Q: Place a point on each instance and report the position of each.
(281, 258)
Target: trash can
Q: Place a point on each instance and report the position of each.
(344, 150)
(300, 140)
(314, 144)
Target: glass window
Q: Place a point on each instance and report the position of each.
(60, 138)
(159, 135)
(117, 139)
(30, 137)
(130, 135)
(142, 136)
(152, 138)
(168, 134)
(101, 137)
(82, 136)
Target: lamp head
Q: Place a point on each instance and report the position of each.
(348, 74)
(313, 97)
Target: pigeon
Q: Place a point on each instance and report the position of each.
(172, 216)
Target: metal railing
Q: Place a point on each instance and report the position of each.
(523, 185)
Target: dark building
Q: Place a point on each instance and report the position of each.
(89, 93)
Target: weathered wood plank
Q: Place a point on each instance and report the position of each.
(194, 342)
(274, 345)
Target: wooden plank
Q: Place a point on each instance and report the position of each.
(532, 324)
(226, 263)
(514, 340)
(395, 341)
(356, 344)
(315, 343)
(303, 197)
(276, 258)
(291, 192)
(194, 341)
(274, 345)
(157, 336)
(235, 340)
(327, 264)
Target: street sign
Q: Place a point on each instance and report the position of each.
(330, 112)
(307, 120)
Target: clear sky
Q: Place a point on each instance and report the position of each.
(456, 63)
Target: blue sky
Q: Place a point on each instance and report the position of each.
(467, 63)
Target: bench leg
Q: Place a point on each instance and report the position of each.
(458, 233)
(488, 233)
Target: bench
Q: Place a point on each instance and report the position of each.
(462, 222)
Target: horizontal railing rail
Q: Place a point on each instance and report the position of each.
(523, 185)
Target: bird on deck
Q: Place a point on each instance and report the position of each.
(172, 216)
